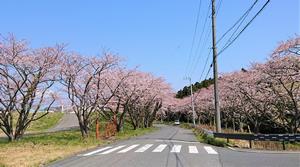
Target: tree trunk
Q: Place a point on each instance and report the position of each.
(233, 124)
(83, 128)
(241, 126)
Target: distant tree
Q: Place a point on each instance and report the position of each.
(186, 91)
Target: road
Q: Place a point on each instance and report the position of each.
(67, 122)
(174, 147)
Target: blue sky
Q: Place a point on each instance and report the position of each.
(154, 35)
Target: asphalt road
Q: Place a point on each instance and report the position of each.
(174, 147)
(67, 122)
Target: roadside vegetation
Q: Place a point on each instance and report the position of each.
(220, 142)
(43, 124)
(204, 138)
(42, 149)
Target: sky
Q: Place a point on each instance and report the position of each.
(157, 36)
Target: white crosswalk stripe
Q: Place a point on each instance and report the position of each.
(128, 148)
(144, 148)
(210, 150)
(193, 150)
(160, 148)
(113, 149)
(96, 151)
(176, 149)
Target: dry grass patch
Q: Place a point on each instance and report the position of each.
(41, 149)
(36, 155)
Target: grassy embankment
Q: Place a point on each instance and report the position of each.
(41, 149)
(262, 145)
(40, 125)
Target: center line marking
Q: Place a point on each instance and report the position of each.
(144, 148)
(176, 149)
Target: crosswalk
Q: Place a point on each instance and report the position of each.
(140, 148)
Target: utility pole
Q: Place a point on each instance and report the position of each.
(215, 68)
(192, 99)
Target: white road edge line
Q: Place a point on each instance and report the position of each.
(113, 149)
(128, 148)
(160, 148)
(193, 150)
(144, 148)
(96, 151)
(210, 150)
(176, 141)
(176, 149)
(231, 148)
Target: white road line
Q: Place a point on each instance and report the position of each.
(96, 151)
(210, 150)
(176, 141)
(128, 148)
(176, 149)
(113, 149)
(193, 150)
(144, 148)
(160, 148)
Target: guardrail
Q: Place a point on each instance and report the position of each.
(255, 137)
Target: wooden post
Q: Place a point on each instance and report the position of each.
(250, 143)
(283, 145)
(97, 129)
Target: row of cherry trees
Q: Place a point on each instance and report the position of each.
(31, 79)
(263, 99)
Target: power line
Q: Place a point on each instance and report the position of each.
(231, 42)
(225, 47)
(201, 35)
(247, 25)
(205, 38)
(208, 55)
(194, 35)
(241, 19)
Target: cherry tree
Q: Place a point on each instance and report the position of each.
(26, 76)
(204, 105)
(281, 75)
(84, 80)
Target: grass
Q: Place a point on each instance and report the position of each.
(127, 133)
(203, 138)
(42, 149)
(43, 124)
(186, 126)
(46, 122)
(260, 145)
